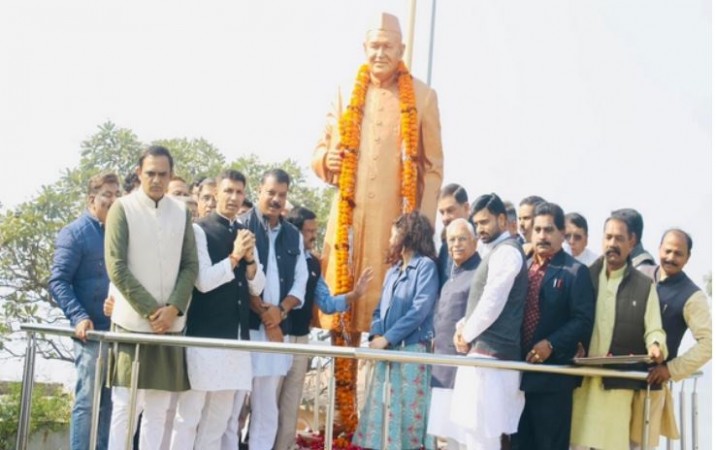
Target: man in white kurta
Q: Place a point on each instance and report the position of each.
(218, 376)
(601, 417)
(487, 403)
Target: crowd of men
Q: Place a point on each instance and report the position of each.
(516, 284)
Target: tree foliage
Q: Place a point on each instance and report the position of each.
(50, 410)
(28, 231)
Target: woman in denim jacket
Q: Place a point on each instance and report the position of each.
(403, 321)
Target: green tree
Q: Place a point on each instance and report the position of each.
(50, 410)
(193, 158)
(110, 148)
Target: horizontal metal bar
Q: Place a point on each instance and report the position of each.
(340, 352)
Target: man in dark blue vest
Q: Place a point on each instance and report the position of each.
(228, 273)
(559, 314)
(453, 204)
(280, 250)
(299, 324)
(683, 306)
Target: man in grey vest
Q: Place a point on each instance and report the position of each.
(488, 402)
(461, 241)
(626, 322)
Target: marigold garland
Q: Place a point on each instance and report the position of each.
(350, 130)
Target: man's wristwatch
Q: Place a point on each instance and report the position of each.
(284, 312)
(248, 263)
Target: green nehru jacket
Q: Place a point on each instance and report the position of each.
(152, 262)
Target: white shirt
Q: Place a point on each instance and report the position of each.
(272, 290)
(277, 364)
(505, 265)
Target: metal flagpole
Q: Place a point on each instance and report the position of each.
(408, 58)
(432, 42)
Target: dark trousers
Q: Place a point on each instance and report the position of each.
(546, 421)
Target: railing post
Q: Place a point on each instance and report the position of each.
(97, 395)
(134, 381)
(647, 418)
(386, 405)
(328, 444)
(682, 414)
(28, 380)
(317, 393)
(695, 417)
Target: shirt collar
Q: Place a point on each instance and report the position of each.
(485, 248)
(148, 201)
(670, 279)
(545, 261)
(230, 221)
(263, 220)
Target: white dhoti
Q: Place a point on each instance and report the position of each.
(486, 404)
(440, 423)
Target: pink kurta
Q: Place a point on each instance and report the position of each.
(377, 198)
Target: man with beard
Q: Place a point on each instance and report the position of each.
(452, 204)
(491, 329)
(683, 306)
(626, 322)
(559, 314)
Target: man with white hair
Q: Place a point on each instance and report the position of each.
(462, 247)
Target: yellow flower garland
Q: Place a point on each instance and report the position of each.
(350, 130)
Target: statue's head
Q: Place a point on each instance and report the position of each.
(384, 47)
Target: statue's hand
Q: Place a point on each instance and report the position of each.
(334, 159)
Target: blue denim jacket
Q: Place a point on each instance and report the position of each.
(404, 315)
(78, 279)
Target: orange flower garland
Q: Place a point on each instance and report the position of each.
(350, 130)
(409, 135)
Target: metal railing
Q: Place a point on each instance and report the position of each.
(331, 352)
